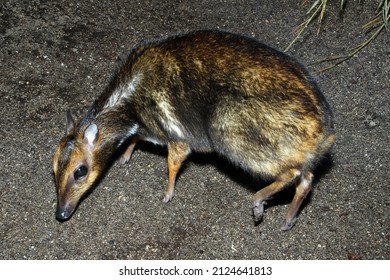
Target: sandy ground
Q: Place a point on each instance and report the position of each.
(59, 55)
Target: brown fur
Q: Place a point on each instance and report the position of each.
(203, 91)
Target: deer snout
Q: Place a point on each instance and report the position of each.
(64, 212)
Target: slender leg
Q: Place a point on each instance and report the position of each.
(302, 188)
(280, 183)
(125, 157)
(177, 153)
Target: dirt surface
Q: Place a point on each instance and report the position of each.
(59, 55)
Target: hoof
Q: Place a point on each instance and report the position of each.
(258, 211)
(287, 225)
(124, 159)
(168, 197)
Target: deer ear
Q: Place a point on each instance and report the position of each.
(69, 123)
(91, 135)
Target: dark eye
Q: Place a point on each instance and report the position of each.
(80, 172)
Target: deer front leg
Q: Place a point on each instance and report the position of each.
(125, 157)
(177, 153)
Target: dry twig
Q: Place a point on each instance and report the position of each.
(375, 26)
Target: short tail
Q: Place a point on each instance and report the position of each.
(326, 144)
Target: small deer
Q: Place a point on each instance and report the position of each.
(204, 91)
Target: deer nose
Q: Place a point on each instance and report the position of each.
(63, 213)
(62, 216)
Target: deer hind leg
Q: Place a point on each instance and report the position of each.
(177, 153)
(281, 182)
(302, 188)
